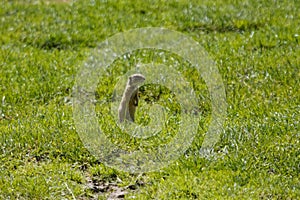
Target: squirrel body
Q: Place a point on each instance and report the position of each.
(129, 100)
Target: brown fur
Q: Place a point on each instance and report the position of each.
(130, 99)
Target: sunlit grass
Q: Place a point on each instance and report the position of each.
(255, 45)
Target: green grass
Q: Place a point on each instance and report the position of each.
(255, 45)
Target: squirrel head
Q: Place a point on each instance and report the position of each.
(136, 79)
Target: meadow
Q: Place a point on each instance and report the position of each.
(254, 44)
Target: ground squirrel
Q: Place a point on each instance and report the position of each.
(130, 99)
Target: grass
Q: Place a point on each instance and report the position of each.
(255, 45)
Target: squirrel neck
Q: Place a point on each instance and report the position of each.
(130, 89)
